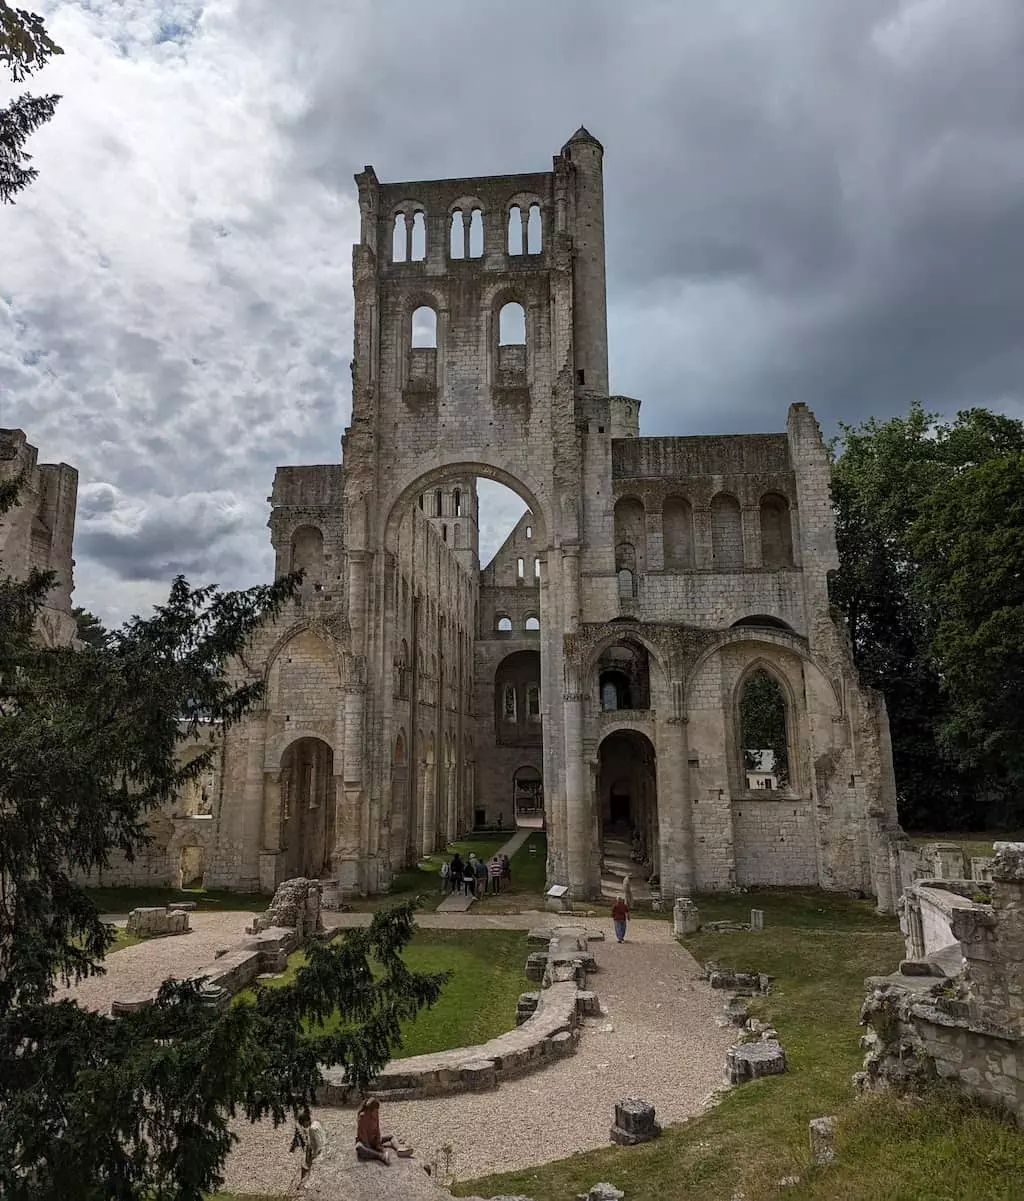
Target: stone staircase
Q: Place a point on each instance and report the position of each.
(616, 865)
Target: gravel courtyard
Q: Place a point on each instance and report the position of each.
(658, 1040)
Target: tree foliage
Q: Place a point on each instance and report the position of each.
(88, 627)
(890, 480)
(25, 47)
(763, 725)
(138, 1108)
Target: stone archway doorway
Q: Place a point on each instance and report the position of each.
(307, 793)
(627, 798)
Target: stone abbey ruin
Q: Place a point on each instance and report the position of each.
(649, 659)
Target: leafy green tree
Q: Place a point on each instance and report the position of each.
(25, 47)
(138, 1108)
(970, 542)
(89, 628)
(763, 724)
(887, 475)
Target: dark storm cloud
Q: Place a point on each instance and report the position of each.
(805, 201)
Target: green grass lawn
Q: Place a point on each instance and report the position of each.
(478, 1002)
(123, 939)
(820, 948)
(528, 876)
(124, 900)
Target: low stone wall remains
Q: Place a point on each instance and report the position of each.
(955, 1011)
(157, 922)
(551, 1031)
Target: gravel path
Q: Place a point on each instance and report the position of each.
(658, 1040)
(139, 967)
(662, 1044)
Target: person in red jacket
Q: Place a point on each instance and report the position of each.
(620, 916)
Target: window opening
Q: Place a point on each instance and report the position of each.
(504, 625)
(437, 503)
(508, 702)
(418, 249)
(457, 237)
(476, 235)
(457, 503)
(512, 325)
(515, 230)
(398, 239)
(536, 569)
(529, 531)
(533, 231)
(764, 733)
(521, 569)
(532, 701)
(444, 533)
(532, 624)
(424, 327)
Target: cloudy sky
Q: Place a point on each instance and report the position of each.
(815, 200)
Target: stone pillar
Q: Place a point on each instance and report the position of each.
(348, 848)
(675, 802)
(751, 519)
(578, 829)
(571, 585)
(703, 557)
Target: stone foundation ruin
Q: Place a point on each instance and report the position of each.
(955, 1010)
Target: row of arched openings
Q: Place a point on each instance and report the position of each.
(503, 624)
(524, 233)
(511, 326)
(678, 541)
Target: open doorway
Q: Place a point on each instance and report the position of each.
(191, 867)
(628, 800)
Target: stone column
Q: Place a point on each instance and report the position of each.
(751, 519)
(702, 542)
(578, 830)
(348, 846)
(675, 808)
(571, 585)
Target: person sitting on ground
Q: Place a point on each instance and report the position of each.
(481, 877)
(494, 871)
(309, 1138)
(370, 1143)
(620, 916)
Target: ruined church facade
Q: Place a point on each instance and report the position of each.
(596, 670)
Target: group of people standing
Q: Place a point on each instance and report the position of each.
(472, 876)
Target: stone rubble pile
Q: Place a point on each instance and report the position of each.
(158, 922)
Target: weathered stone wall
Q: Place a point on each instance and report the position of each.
(38, 532)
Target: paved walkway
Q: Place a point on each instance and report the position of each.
(459, 902)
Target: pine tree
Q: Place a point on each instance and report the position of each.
(25, 48)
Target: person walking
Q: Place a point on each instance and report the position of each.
(309, 1138)
(446, 877)
(469, 876)
(494, 871)
(620, 916)
(481, 877)
(456, 872)
(506, 870)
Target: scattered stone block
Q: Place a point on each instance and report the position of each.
(685, 917)
(186, 906)
(536, 965)
(634, 1122)
(602, 1192)
(526, 1006)
(157, 923)
(750, 1061)
(823, 1140)
(478, 1074)
(757, 919)
(587, 1004)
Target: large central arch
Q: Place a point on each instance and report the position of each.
(627, 801)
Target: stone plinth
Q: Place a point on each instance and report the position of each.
(822, 1133)
(634, 1123)
(602, 1192)
(750, 1061)
(157, 923)
(685, 917)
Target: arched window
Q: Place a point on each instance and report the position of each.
(677, 534)
(609, 695)
(764, 733)
(504, 625)
(776, 532)
(533, 237)
(457, 503)
(529, 531)
(515, 230)
(624, 676)
(520, 569)
(627, 584)
(630, 531)
(726, 533)
(402, 671)
(532, 624)
(438, 510)
(508, 703)
(512, 325)
(308, 553)
(424, 327)
(536, 569)
(398, 239)
(400, 751)
(457, 237)
(476, 235)
(419, 238)
(444, 533)
(533, 701)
